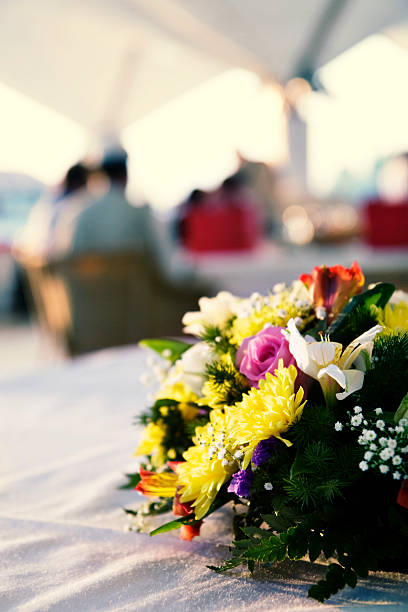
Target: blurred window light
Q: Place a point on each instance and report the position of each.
(192, 142)
(393, 180)
(297, 226)
(361, 121)
(374, 65)
(36, 140)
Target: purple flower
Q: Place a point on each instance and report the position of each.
(263, 450)
(260, 354)
(241, 483)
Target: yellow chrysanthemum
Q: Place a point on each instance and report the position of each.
(267, 411)
(180, 392)
(208, 464)
(395, 316)
(151, 444)
(277, 314)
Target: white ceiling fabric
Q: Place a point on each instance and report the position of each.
(106, 63)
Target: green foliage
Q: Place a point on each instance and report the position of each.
(358, 315)
(386, 383)
(402, 412)
(226, 382)
(133, 481)
(218, 340)
(178, 433)
(174, 348)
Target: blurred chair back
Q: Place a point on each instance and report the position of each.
(92, 301)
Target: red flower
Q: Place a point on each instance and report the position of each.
(188, 532)
(333, 287)
(180, 509)
(402, 498)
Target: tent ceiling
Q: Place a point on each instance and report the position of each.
(105, 63)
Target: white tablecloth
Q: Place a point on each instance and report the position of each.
(66, 440)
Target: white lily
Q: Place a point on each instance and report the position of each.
(332, 366)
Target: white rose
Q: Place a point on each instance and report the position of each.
(213, 311)
(190, 369)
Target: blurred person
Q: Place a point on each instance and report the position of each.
(111, 223)
(261, 179)
(196, 198)
(37, 237)
(228, 219)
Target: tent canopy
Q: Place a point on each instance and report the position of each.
(106, 63)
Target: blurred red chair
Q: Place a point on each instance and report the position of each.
(222, 228)
(385, 224)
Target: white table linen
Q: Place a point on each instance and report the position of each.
(66, 441)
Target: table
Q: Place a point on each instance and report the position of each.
(258, 270)
(66, 440)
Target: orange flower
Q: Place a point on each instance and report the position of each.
(331, 288)
(157, 485)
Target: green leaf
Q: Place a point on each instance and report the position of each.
(377, 296)
(176, 524)
(350, 577)
(402, 411)
(252, 531)
(230, 564)
(297, 545)
(133, 481)
(277, 522)
(131, 512)
(317, 592)
(159, 345)
(219, 501)
(315, 546)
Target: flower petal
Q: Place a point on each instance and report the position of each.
(334, 372)
(369, 335)
(300, 350)
(354, 382)
(322, 353)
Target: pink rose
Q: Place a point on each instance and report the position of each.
(260, 354)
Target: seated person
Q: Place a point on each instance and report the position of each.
(111, 224)
(38, 236)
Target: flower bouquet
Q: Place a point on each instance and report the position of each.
(294, 407)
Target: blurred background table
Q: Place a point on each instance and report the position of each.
(258, 270)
